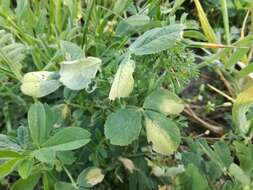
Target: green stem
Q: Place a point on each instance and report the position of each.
(225, 20)
(70, 177)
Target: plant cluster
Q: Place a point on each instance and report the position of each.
(93, 95)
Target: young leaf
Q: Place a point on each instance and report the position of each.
(37, 123)
(27, 184)
(162, 133)
(68, 138)
(89, 177)
(240, 108)
(39, 84)
(123, 82)
(22, 136)
(165, 102)
(123, 126)
(157, 40)
(77, 74)
(25, 167)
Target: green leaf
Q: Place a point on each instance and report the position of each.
(8, 154)
(37, 123)
(165, 102)
(23, 136)
(27, 184)
(246, 70)
(25, 167)
(245, 154)
(89, 177)
(71, 51)
(7, 167)
(162, 132)
(40, 83)
(77, 74)
(157, 40)
(220, 153)
(123, 126)
(123, 83)
(68, 138)
(241, 106)
(132, 23)
(64, 186)
(45, 155)
(192, 179)
(239, 174)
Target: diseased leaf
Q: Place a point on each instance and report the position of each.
(39, 84)
(240, 108)
(157, 40)
(123, 126)
(68, 138)
(77, 74)
(162, 132)
(89, 177)
(165, 102)
(123, 82)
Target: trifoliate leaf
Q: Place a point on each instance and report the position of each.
(77, 74)
(240, 108)
(40, 83)
(90, 177)
(162, 132)
(157, 40)
(123, 126)
(165, 102)
(123, 83)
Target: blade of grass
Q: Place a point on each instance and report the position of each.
(86, 24)
(208, 30)
(224, 11)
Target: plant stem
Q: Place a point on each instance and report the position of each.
(70, 177)
(225, 20)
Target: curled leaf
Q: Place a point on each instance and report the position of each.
(40, 83)
(77, 74)
(90, 177)
(123, 83)
(162, 133)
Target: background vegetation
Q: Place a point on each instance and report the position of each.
(123, 94)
